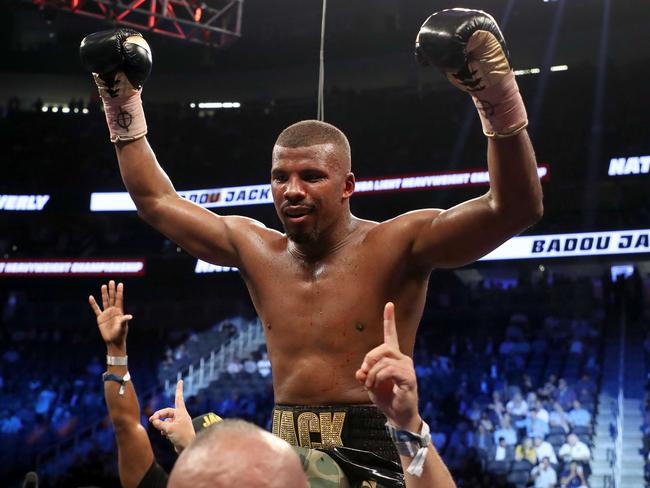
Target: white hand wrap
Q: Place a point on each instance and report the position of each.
(123, 108)
(501, 108)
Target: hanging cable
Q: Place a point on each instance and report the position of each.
(320, 114)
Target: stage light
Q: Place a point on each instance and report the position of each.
(527, 71)
(85, 110)
(216, 105)
(44, 108)
(55, 109)
(65, 110)
(560, 67)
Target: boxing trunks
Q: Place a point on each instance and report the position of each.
(354, 436)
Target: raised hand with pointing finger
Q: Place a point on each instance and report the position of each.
(389, 376)
(175, 423)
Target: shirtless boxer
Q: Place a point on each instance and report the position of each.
(319, 288)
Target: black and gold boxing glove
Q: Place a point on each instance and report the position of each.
(120, 61)
(468, 46)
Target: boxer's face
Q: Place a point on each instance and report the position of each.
(310, 189)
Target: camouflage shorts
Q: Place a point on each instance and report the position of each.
(323, 472)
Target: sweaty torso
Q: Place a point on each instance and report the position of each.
(321, 317)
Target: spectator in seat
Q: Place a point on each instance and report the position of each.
(542, 413)
(264, 366)
(526, 451)
(536, 426)
(517, 407)
(250, 365)
(484, 440)
(506, 431)
(544, 450)
(234, 367)
(544, 474)
(502, 451)
(573, 477)
(559, 418)
(574, 450)
(438, 436)
(547, 391)
(579, 416)
(564, 394)
(497, 405)
(486, 421)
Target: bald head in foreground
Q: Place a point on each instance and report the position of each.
(237, 453)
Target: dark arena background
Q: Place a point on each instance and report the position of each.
(553, 324)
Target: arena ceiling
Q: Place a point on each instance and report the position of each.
(286, 32)
(369, 44)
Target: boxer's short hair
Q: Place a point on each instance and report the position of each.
(311, 132)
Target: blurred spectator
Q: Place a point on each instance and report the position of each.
(250, 366)
(506, 431)
(544, 474)
(542, 413)
(10, 423)
(517, 407)
(535, 426)
(438, 437)
(484, 439)
(526, 450)
(586, 383)
(234, 367)
(44, 400)
(547, 391)
(573, 477)
(502, 451)
(559, 418)
(544, 450)
(564, 394)
(574, 450)
(264, 365)
(579, 416)
(497, 405)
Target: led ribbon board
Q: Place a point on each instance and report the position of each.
(540, 247)
(573, 245)
(261, 194)
(23, 203)
(633, 165)
(72, 267)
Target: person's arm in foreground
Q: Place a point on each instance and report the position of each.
(135, 455)
(389, 377)
(120, 61)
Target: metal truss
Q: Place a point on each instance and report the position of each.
(188, 20)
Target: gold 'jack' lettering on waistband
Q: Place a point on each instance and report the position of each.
(308, 422)
(287, 431)
(330, 427)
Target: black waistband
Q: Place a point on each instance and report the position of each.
(356, 426)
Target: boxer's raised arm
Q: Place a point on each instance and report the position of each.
(200, 232)
(120, 60)
(469, 48)
(466, 232)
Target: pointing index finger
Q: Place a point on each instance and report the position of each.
(179, 401)
(390, 329)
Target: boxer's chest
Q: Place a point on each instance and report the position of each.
(321, 303)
